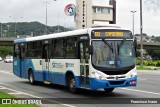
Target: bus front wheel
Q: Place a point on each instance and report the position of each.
(31, 77)
(108, 90)
(72, 85)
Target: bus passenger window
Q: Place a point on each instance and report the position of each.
(16, 50)
(71, 47)
(58, 48)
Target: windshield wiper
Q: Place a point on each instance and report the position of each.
(121, 44)
(111, 48)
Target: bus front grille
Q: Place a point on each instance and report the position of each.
(116, 82)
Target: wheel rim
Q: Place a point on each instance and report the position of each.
(72, 84)
(31, 78)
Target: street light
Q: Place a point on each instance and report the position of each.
(15, 25)
(141, 31)
(133, 20)
(46, 2)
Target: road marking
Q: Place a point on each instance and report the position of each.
(15, 93)
(19, 92)
(141, 79)
(1, 88)
(6, 72)
(148, 92)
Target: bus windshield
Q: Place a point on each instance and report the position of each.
(113, 54)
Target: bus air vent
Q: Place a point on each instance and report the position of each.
(116, 82)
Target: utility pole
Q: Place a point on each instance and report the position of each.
(46, 29)
(141, 31)
(1, 31)
(133, 20)
(46, 18)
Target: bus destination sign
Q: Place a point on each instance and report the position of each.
(98, 34)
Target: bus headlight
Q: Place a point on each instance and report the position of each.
(98, 76)
(132, 74)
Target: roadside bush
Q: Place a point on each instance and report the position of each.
(138, 62)
(155, 63)
(149, 63)
(145, 63)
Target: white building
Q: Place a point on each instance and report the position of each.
(87, 13)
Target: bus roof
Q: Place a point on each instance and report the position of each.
(63, 34)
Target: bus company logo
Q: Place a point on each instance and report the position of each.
(69, 64)
(57, 65)
(70, 10)
(6, 101)
(116, 77)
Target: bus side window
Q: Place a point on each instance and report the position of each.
(16, 51)
(23, 46)
(58, 48)
(29, 49)
(38, 49)
(51, 47)
(71, 47)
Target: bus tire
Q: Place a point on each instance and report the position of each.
(108, 90)
(72, 85)
(31, 77)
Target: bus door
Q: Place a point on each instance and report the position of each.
(84, 63)
(22, 61)
(17, 60)
(45, 63)
(46, 60)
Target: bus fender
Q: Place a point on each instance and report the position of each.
(68, 74)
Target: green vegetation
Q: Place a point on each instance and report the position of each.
(28, 28)
(149, 63)
(143, 68)
(4, 95)
(5, 50)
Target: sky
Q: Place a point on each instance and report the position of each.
(35, 10)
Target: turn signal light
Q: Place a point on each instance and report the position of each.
(132, 82)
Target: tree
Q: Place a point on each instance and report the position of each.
(155, 54)
(5, 50)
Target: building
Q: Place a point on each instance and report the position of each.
(87, 13)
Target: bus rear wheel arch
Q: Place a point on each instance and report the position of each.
(31, 77)
(71, 83)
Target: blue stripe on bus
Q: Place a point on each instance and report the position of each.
(19, 40)
(59, 77)
(99, 84)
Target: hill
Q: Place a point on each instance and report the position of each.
(28, 28)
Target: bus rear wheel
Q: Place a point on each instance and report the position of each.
(72, 85)
(31, 77)
(108, 90)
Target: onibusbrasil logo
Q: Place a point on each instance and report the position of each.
(70, 10)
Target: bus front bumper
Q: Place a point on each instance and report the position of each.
(101, 84)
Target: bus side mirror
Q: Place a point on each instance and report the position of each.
(91, 49)
(135, 44)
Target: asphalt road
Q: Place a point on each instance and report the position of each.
(148, 87)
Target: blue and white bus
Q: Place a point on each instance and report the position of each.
(93, 58)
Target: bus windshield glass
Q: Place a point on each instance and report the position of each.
(113, 54)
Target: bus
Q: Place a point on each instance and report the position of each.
(92, 58)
